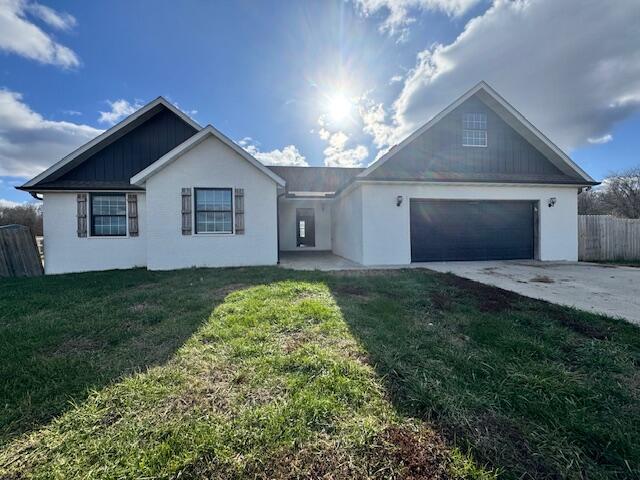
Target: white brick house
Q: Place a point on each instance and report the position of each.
(477, 181)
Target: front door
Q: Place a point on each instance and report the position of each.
(305, 227)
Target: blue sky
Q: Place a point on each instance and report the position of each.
(318, 82)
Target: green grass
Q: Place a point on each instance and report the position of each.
(268, 373)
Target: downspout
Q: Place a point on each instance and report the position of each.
(278, 221)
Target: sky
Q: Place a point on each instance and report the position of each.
(323, 82)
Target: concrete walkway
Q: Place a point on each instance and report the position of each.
(606, 289)
(316, 260)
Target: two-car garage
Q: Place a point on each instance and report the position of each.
(449, 230)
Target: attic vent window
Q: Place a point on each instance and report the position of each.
(474, 130)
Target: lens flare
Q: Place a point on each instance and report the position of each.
(339, 107)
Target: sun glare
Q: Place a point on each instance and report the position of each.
(339, 107)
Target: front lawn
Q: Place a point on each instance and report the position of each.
(269, 373)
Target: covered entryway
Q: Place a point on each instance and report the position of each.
(450, 230)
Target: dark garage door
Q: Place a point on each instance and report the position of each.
(444, 230)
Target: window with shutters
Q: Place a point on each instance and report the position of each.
(108, 215)
(214, 210)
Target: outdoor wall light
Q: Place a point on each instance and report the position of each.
(552, 202)
(398, 200)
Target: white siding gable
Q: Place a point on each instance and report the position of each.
(210, 164)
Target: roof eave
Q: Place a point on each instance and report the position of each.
(478, 181)
(36, 189)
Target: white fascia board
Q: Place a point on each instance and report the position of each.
(364, 181)
(107, 133)
(502, 102)
(141, 177)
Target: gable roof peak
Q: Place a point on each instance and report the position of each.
(95, 142)
(510, 115)
(141, 177)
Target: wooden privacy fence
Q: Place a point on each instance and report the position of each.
(19, 255)
(603, 237)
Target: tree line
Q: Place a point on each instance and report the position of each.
(27, 214)
(618, 195)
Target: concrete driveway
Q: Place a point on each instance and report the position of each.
(610, 290)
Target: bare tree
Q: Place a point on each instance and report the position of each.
(27, 214)
(621, 193)
(590, 203)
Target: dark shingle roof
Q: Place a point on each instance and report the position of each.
(315, 179)
(86, 185)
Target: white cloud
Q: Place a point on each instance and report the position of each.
(335, 155)
(246, 141)
(338, 140)
(73, 113)
(289, 155)
(119, 110)
(571, 67)
(399, 12)
(374, 123)
(19, 35)
(395, 79)
(58, 20)
(29, 143)
(4, 203)
(352, 157)
(324, 134)
(600, 140)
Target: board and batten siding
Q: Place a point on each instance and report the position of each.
(135, 150)
(65, 252)
(603, 237)
(439, 154)
(210, 164)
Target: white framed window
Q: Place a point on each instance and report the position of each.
(214, 210)
(108, 215)
(474, 130)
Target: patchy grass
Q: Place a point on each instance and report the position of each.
(532, 389)
(268, 373)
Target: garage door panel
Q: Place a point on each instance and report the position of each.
(443, 230)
